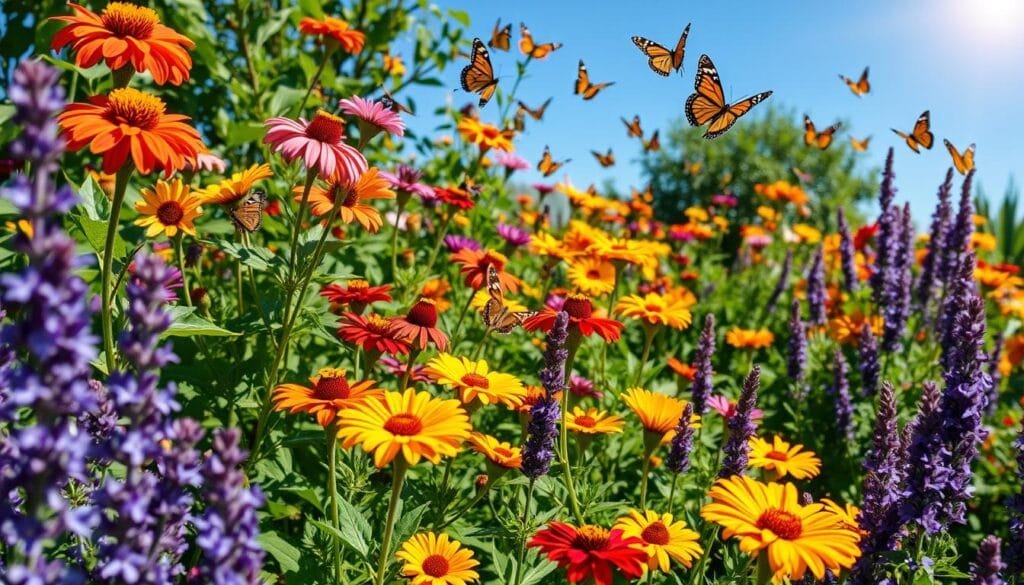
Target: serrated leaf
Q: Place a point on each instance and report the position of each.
(185, 323)
(95, 232)
(355, 530)
(283, 552)
(408, 524)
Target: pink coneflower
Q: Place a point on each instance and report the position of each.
(397, 368)
(373, 117)
(727, 408)
(543, 188)
(513, 162)
(516, 237)
(556, 302)
(583, 388)
(407, 179)
(320, 143)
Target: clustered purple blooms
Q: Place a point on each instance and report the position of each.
(960, 290)
(741, 427)
(678, 460)
(457, 243)
(959, 235)
(896, 297)
(1015, 504)
(885, 239)
(542, 430)
(937, 234)
(781, 284)
(513, 236)
(816, 292)
(847, 253)
(928, 471)
(867, 361)
(842, 403)
(988, 565)
(796, 354)
(703, 383)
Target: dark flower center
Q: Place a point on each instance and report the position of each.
(129, 20)
(476, 380)
(423, 313)
(655, 533)
(578, 307)
(404, 424)
(332, 388)
(326, 127)
(435, 566)
(586, 421)
(134, 108)
(777, 456)
(170, 213)
(594, 273)
(589, 537)
(784, 524)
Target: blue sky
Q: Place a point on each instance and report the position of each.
(958, 59)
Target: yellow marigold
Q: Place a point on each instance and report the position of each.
(656, 309)
(749, 338)
(431, 559)
(593, 421)
(783, 459)
(592, 276)
(846, 329)
(983, 241)
(698, 214)
(806, 234)
(169, 207)
(499, 453)
(475, 381)
(664, 538)
(231, 191)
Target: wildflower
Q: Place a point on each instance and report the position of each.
(592, 276)
(436, 289)
(515, 237)
(393, 65)
(659, 414)
(683, 370)
(749, 338)
(373, 117)
(703, 383)
(328, 393)
(593, 421)
(486, 136)
(591, 553)
(581, 387)
(396, 368)
(867, 361)
(896, 298)
(373, 333)
(581, 320)
(474, 263)
(927, 464)
(457, 243)
(406, 179)
(885, 239)
(1015, 504)
(125, 34)
(458, 197)
(682, 442)
(353, 196)
(655, 309)
(741, 427)
(783, 459)
(988, 565)
(816, 293)
(542, 430)
(169, 207)
(320, 143)
(846, 328)
(474, 381)
(937, 234)
(432, 559)
(512, 162)
(357, 294)
(727, 408)
(840, 392)
(132, 123)
(231, 191)
(498, 453)
(335, 32)
(412, 423)
(664, 538)
(768, 519)
(419, 325)
(806, 234)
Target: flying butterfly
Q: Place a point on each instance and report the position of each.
(859, 87)
(496, 314)
(921, 135)
(501, 38)
(964, 163)
(654, 144)
(248, 215)
(860, 145)
(660, 59)
(531, 49)
(478, 76)
(633, 128)
(605, 160)
(549, 166)
(820, 139)
(707, 104)
(583, 86)
(537, 114)
(389, 102)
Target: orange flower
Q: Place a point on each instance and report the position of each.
(127, 123)
(486, 136)
(681, 369)
(474, 265)
(330, 393)
(369, 186)
(749, 338)
(846, 329)
(436, 289)
(125, 34)
(334, 31)
(231, 191)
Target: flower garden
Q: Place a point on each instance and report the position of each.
(255, 330)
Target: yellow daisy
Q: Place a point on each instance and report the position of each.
(783, 459)
(663, 538)
(499, 453)
(169, 207)
(593, 421)
(592, 276)
(431, 559)
(475, 381)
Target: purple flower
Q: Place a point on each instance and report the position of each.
(456, 243)
(781, 284)
(724, 200)
(678, 460)
(887, 228)
(703, 384)
(542, 430)
(896, 297)
(796, 354)
(816, 289)
(840, 391)
(1015, 504)
(988, 565)
(741, 428)
(583, 388)
(543, 188)
(407, 179)
(937, 234)
(867, 360)
(959, 237)
(513, 162)
(928, 466)
(513, 236)
(847, 253)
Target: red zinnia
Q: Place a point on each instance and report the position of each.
(357, 294)
(455, 196)
(419, 326)
(581, 319)
(474, 265)
(373, 333)
(591, 552)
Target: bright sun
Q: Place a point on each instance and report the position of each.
(991, 20)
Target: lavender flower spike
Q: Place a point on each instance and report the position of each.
(988, 566)
(796, 356)
(847, 253)
(542, 431)
(937, 234)
(959, 233)
(885, 238)
(1015, 504)
(867, 356)
(816, 293)
(896, 307)
(678, 460)
(702, 381)
(840, 391)
(927, 465)
(741, 427)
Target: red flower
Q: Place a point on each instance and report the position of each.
(581, 319)
(864, 235)
(419, 326)
(373, 333)
(474, 265)
(591, 552)
(356, 293)
(459, 197)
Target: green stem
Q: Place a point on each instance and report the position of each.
(764, 569)
(394, 237)
(615, 287)
(476, 499)
(672, 492)
(107, 294)
(564, 454)
(408, 369)
(520, 559)
(180, 249)
(649, 332)
(332, 489)
(397, 480)
(645, 472)
(462, 317)
(316, 77)
(442, 232)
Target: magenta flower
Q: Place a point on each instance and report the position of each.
(373, 117)
(513, 162)
(727, 408)
(582, 387)
(406, 178)
(320, 143)
(724, 200)
(516, 237)
(543, 188)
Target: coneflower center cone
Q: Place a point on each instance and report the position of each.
(170, 213)
(435, 566)
(423, 314)
(476, 380)
(590, 537)
(655, 533)
(404, 424)
(134, 110)
(586, 421)
(578, 307)
(326, 127)
(129, 20)
(784, 524)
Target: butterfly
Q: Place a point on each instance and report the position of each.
(478, 76)
(583, 85)
(964, 163)
(501, 38)
(633, 128)
(802, 176)
(532, 50)
(707, 104)
(820, 139)
(547, 165)
(537, 114)
(921, 135)
(606, 160)
(660, 59)
(389, 102)
(860, 145)
(497, 315)
(654, 144)
(248, 215)
(859, 87)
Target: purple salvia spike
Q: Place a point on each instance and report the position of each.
(887, 226)
(796, 354)
(741, 428)
(703, 382)
(867, 356)
(816, 293)
(937, 234)
(539, 449)
(847, 253)
(988, 565)
(678, 460)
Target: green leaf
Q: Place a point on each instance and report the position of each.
(285, 98)
(95, 232)
(92, 200)
(256, 257)
(187, 324)
(355, 529)
(537, 573)
(6, 112)
(271, 27)
(245, 132)
(283, 552)
(408, 524)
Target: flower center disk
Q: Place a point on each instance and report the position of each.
(435, 566)
(777, 456)
(578, 307)
(326, 128)
(404, 424)
(134, 108)
(332, 388)
(423, 314)
(170, 213)
(476, 380)
(655, 533)
(590, 537)
(784, 524)
(129, 20)
(586, 421)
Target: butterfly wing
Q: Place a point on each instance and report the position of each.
(810, 133)
(911, 142)
(659, 58)
(708, 100)
(958, 159)
(501, 37)
(582, 78)
(825, 136)
(654, 144)
(633, 128)
(512, 319)
(969, 158)
(541, 51)
(478, 76)
(863, 85)
(922, 133)
(248, 215)
(526, 45)
(389, 102)
(545, 163)
(680, 51)
(593, 90)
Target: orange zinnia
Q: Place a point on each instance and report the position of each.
(125, 34)
(329, 393)
(474, 265)
(353, 208)
(129, 122)
(334, 31)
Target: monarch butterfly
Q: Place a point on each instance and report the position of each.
(860, 145)
(389, 102)
(605, 160)
(707, 104)
(537, 114)
(497, 316)
(820, 139)
(964, 163)
(501, 38)
(547, 165)
(859, 87)
(920, 135)
(478, 76)
(633, 128)
(661, 60)
(532, 50)
(654, 144)
(248, 215)
(583, 85)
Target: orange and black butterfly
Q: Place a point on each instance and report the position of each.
(501, 38)
(860, 145)
(654, 144)
(497, 316)
(921, 135)
(537, 114)
(478, 76)
(633, 128)
(660, 59)
(707, 104)
(531, 49)
(583, 86)
(820, 139)
(964, 163)
(606, 160)
(549, 166)
(859, 87)
(389, 102)
(248, 215)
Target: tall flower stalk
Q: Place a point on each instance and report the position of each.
(741, 427)
(703, 383)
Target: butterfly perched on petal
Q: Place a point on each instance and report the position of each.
(820, 139)
(707, 104)
(531, 49)
(583, 86)
(496, 314)
(633, 127)
(549, 166)
(921, 135)
(659, 58)
(859, 87)
(860, 145)
(605, 160)
(653, 144)
(501, 37)
(478, 76)
(248, 215)
(964, 162)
